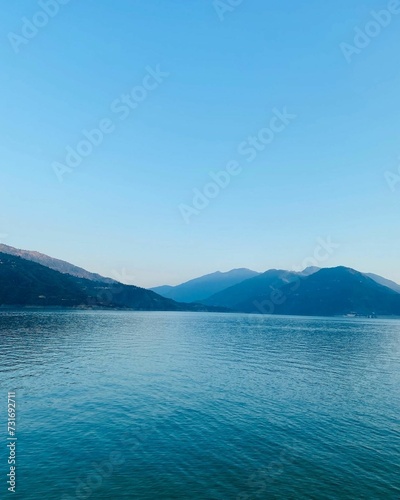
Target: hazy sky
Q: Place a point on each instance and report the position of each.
(182, 90)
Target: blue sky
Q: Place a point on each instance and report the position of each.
(119, 212)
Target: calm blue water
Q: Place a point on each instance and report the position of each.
(126, 405)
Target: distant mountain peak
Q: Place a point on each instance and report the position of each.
(310, 270)
(326, 292)
(199, 289)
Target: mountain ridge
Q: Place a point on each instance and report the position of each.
(384, 281)
(27, 283)
(198, 289)
(59, 265)
(327, 292)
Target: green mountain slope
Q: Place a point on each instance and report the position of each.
(55, 264)
(26, 283)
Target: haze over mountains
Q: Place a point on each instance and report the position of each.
(314, 291)
(27, 283)
(385, 282)
(34, 279)
(201, 288)
(327, 292)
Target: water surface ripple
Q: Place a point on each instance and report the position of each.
(159, 406)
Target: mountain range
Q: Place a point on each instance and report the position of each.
(201, 288)
(327, 292)
(33, 279)
(24, 282)
(313, 291)
(55, 264)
